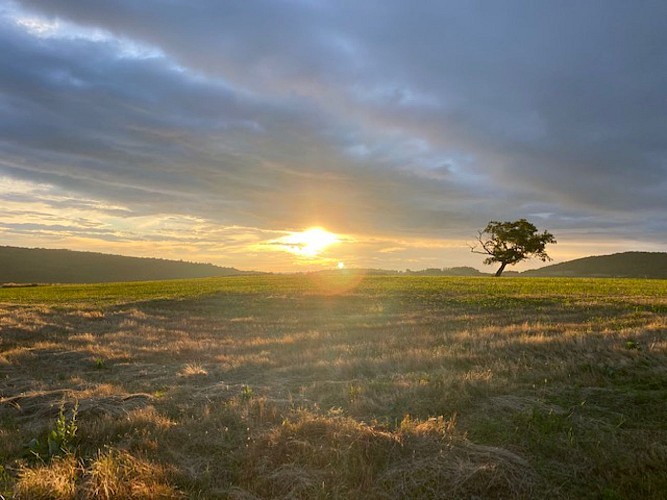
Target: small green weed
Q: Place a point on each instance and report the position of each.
(60, 439)
(246, 393)
(160, 393)
(354, 392)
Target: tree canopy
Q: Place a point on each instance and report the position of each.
(511, 242)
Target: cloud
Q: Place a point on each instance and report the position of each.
(391, 118)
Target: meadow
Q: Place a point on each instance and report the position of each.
(335, 385)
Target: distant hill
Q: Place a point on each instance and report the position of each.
(447, 271)
(618, 265)
(435, 271)
(38, 265)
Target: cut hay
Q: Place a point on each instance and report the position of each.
(314, 456)
(47, 404)
(460, 470)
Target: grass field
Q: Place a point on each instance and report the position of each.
(335, 386)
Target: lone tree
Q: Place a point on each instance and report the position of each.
(511, 242)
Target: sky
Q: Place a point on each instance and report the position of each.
(218, 131)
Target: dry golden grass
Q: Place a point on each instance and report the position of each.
(111, 474)
(53, 481)
(118, 474)
(285, 391)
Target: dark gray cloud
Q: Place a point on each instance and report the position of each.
(403, 118)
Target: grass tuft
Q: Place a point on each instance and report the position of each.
(117, 474)
(53, 481)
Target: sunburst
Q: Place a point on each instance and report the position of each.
(309, 243)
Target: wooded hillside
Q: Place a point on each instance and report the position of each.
(38, 265)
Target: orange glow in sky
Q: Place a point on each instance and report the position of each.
(309, 243)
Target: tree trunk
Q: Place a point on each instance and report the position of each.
(502, 268)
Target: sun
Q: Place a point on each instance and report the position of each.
(309, 243)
